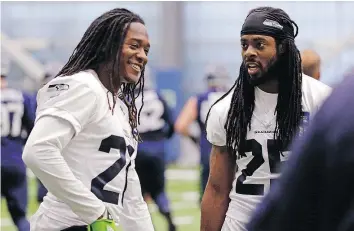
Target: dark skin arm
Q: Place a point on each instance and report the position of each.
(216, 199)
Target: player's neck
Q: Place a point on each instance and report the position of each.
(103, 76)
(270, 86)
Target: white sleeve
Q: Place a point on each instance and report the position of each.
(216, 133)
(67, 99)
(42, 154)
(326, 92)
(135, 215)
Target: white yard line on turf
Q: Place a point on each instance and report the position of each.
(185, 220)
(175, 206)
(6, 222)
(182, 174)
(184, 196)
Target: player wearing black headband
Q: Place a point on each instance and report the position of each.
(251, 126)
(315, 192)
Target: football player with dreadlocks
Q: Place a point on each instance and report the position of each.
(83, 145)
(196, 109)
(315, 191)
(251, 126)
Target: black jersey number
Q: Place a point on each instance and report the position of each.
(256, 162)
(98, 183)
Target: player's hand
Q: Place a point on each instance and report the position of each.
(104, 223)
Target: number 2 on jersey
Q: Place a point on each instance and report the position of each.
(256, 162)
(98, 183)
(151, 116)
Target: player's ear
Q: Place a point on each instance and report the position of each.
(281, 48)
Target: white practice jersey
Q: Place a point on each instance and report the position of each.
(102, 152)
(260, 167)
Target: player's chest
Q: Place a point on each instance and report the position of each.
(261, 135)
(263, 123)
(262, 127)
(113, 134)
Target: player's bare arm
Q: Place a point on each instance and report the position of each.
(186, 117)
(216, 200)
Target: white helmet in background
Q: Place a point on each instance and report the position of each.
(217, 77)
(5, 68)
(5, 64)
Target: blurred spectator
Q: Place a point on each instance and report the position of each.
(311, 63)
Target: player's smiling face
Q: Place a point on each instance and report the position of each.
(134, 52)
(259, 53)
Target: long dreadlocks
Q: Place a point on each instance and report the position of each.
(102, 41)
(289, 108)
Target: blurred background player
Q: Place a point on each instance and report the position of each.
(251, 126)
(17, 114)
(196, 109)
(156, 126)
(311, 63)
(51, 69)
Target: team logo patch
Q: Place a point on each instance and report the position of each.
(272, 23)
(58, 87)
(305, 117)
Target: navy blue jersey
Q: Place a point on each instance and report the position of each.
(204, 102)
(156, 122)
(316, 190)
(17, 119)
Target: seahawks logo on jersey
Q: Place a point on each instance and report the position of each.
(55, 89)
(58, 87)
(305, 117)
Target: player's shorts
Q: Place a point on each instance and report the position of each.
(151, 172)
(233, 225)
(42, 222)
(14, 189)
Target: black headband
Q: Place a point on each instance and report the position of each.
(264, 23)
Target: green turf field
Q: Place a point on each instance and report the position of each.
(182, 188)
